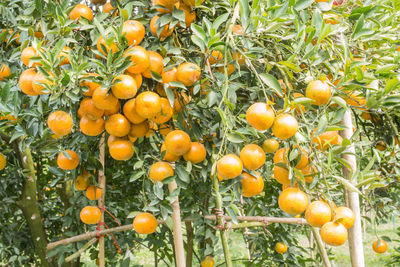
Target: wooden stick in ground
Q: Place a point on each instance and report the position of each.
(101, 202)
(177, 231)
(321, 247)
(81, 250)
(352, 198)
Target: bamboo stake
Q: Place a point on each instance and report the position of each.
(177, 231)
(101, 202)
(81, 250)
(352, 198)
(321, 248)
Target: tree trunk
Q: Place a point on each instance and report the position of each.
(189, 244)
(101, 202)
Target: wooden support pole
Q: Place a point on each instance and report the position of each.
(177, 231)
(352, 198)
(101, 202)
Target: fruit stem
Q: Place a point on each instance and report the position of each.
(321, 248)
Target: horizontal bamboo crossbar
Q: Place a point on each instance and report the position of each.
(93, 234)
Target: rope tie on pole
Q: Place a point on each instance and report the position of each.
(219, 213)
(103, 209)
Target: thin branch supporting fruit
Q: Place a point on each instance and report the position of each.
(102, 184)
(81, 250)
(321, 247)
(177, 231)
(352, 198)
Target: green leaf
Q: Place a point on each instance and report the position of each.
(271, 82)
(234, 138)
(244, 13)
(199, 32)
(303, 4)
(136, 176)
(183, 175)
(170, 95)
(358, 26)
(200, 43)
(218, 21)
(290, 65)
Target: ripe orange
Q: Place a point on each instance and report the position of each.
(140, 59)
(260, 116)
(145, 223)
(108, 46)
(380, 246)
(308, 173)
(345, 216)
(156, 64)
(251, 185)
(270, 145)
(89, 110)
(230, 69)
(125, 87)
(130, 113)
(148, 104)
(208, 262)
(168, 156)
(108, 8)
(38, 83)
(140, 129)
(160, 170)
(113, 110)
(177, 142)
(180, 101)
(293, 201)
(89, 84)
(5, 72)
(252, 156)
(91, 127)
(64, 54)
(166, 112)
(381, 145)
(82, 182)
(318, 213)
(333, 234)
(355, 99)
(285, 126)
(134, 32)
(229, 166)
(3, 161)
(93, 192)
(167, 5)
(298, 108)
(215, 57)
(121, 150)
(113, 138)
(90, 215)
(188, 73)
(281, 155)
(238, 29)
(26, 81)
(326, 139)
(169, 75)
(117, 125)
(103, 99)
(190, 15)
(166, 31)
(79, 11)
(65, 163)
(60, 122)
(319, 92)
(281, 175)
(27, 54)
(280, 247)
(196, 154)
(137, 77)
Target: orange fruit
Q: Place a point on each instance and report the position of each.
(108, 46)
(130, 113)
(230, 69)
(169, 75)
(381, 146)
(89, 110)
(308, 173)
(133, 31)
(252, 156)
(108, 8)
(156, 64)
(208, 262)
(113, 110)
(166, 31)
(333, 234)
(82, 182)
(3, 161)
(160, 170)
(113, 138)
(90, 215)
(188, 73)
(93, 192)
(125, 87)
(190, 15)
(60, 122)
(345, 216)
(281, 155)
(166, 5)
(318, 213)
(326, 139)
(196, 154)
(79, 11)
(215, 57)
(65, 163)
(140, 59)
(148, 104)
(145, 223)
(298, 108)
(38, 83)
(92, 86)
(139, 130)
(91, 127)
(238, 29)
(251, 185)
(239, 58)
(260, 116)
(166, 112)
(355, 99)
(319, 92)
(5, 72)
(229, 166)
(137, 77)
(168, 156)
(117, 125)
(380, 246)
(293, 201)
(281, 175)
(180, 101)
(285, 126)
(121, 150)
(177, 142)
(64, 54)
(27, 54)
(192, 3)
(103, 99)
(270, 145)
(26, 81)
(280, 247)
(331, 18)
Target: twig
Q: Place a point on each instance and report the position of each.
(81, 250)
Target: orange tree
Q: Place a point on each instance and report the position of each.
(202, 94)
